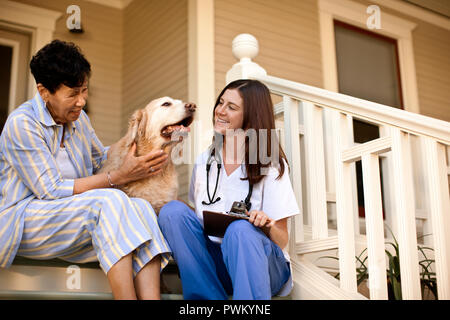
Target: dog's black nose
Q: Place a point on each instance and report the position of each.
(190, 107)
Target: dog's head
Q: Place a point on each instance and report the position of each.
(161, 122)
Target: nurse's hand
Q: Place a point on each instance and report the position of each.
(275, 230)
(260, 219)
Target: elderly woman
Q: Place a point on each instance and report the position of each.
(52, 202)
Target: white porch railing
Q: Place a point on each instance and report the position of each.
(318, 137)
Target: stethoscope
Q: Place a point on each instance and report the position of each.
(209, 162)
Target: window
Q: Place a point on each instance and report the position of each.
(367, 65)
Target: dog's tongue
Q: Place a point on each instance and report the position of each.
(183, 129)
(170, 129)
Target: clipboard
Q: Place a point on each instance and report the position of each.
(216, 223)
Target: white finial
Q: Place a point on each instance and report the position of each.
(245, 47)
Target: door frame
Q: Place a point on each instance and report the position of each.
(40, 23)
(15, 45)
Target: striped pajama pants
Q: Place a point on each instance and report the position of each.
(100, 224)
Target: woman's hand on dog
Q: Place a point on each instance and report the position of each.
(135, 168)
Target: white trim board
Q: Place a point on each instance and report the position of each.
(201, 74)
(391, 26)
(28, 15)
(201, 71)
(118, 4)
(15, 45)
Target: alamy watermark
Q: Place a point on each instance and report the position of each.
(73, 281)
(263, 146)
(73, 22)
(374, 20)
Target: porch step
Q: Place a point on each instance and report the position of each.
(310, 246)
(55, 279)
(59, 295)
(312, 283)
(51, 279)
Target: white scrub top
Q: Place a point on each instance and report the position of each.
(274, 197)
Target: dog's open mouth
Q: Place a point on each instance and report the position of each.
(182, 126)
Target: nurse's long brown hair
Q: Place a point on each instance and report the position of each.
(258, 114)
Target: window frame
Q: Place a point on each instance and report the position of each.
(384, 38)
(393, 27)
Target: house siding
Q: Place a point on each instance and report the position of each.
(101, 43)
(431, 50)
(287, 32)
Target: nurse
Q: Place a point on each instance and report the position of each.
(250, 261)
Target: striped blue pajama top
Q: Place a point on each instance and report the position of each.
(29, 143)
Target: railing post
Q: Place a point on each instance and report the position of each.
(405, 215)
(350, 142)
(315, 173)
(292, 148)
(439, 206)
(344, 211)
(388, 183)
(374, 227)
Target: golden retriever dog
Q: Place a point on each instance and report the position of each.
(158, 126)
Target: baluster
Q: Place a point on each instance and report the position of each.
(388, 183)
(344, 205)
(374, 227)
(315, 172)
(405, 215)
(329, 164)
(292, 148)
(447, 149)
(439, 206)
(350, 142)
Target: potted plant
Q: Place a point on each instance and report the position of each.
(427, 276)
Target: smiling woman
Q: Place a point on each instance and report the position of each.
(54, 202)
(229, 113)
(227, 264)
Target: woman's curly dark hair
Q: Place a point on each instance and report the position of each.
(60, 62)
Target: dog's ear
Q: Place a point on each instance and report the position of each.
(134, 126)
(142, 128)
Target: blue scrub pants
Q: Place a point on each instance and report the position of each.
(247, 264)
